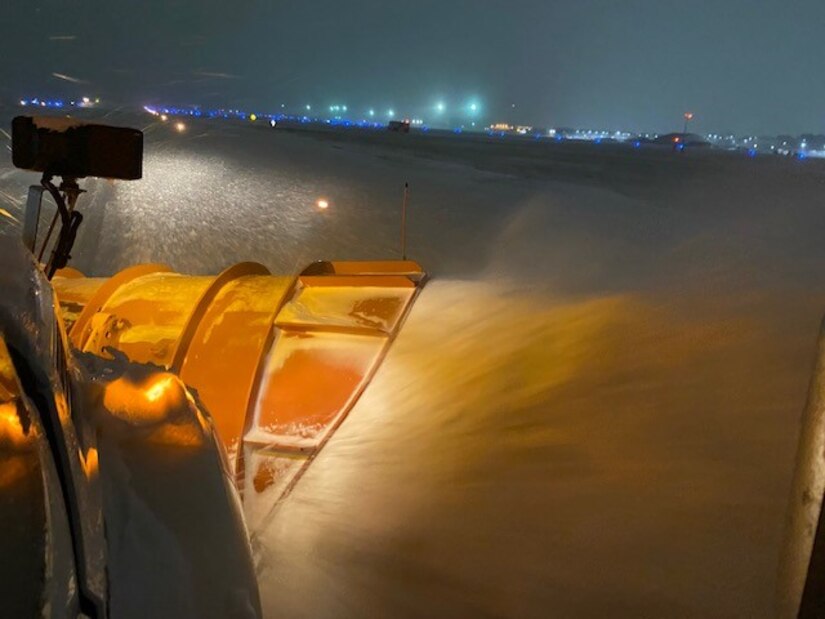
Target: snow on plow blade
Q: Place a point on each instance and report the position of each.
(278, 361)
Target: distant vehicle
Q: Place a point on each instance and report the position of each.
(685, 139)
(399, 126)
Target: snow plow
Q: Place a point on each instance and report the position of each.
(133, 404)
(277, 361)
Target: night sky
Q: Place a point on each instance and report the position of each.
(744, 66)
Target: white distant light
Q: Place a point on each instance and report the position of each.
(372, 112)
(180, 127)
(322, 204)
(474, 107)
(390, 112)
(344, 108)
(23, 102)
(86, 100)
(164, 117)
(309, 107)
(440, 107)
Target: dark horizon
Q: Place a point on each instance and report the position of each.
(746, 68)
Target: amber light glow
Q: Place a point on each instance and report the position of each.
(155, 403)
(159, 389)
(11, 430)
(90, 462)
(18, 454)
(145, 402)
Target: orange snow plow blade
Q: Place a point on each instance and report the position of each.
(277, 361)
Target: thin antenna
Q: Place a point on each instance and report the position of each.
(404, 221)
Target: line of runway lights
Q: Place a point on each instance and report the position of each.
(60, 103)
(234, 114)
(274, 119)
(164, 112)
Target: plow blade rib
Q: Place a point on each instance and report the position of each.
(227, 347)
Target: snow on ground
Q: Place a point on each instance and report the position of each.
(593, 408)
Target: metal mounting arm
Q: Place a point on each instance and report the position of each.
(70, 221)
